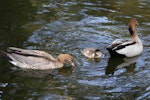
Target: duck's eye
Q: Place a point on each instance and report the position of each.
(136, 24)
(70, 60)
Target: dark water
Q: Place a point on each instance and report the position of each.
(68, 26)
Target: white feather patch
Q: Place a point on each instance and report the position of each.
(132, 50)
(13, 62)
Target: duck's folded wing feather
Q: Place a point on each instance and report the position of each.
(29, 60)
(123, 45)
(30, 53)
(115, 43)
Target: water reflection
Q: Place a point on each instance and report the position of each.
(115, 64)
(65, 71)
(96, 60)
(14, 15)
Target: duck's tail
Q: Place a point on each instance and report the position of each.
(5, 55)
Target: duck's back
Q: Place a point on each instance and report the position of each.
(33, 59)
(88, 52)
(124, 48)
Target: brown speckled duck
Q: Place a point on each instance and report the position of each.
(35, 59)
(91, 53)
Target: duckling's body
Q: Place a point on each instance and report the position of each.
(127, 48)
(91, 53)
(35, 59)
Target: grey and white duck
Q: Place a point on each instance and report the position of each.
(35, 59)
(91, 53)
(127, 48)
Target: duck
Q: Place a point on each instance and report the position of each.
(36, 59)
(91, 53)
(127, 47)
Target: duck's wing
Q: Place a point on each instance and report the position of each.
(30, 53)
(116, 43)
(123, 45)
(89, 52)
(123, 48)
(32, 59)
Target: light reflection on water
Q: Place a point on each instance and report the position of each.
(68, 27)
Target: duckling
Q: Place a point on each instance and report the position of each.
(35, 59)
(91, 53)
(127, 48)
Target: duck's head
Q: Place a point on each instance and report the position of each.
(66, 59)
(132, 25)
(97, 53)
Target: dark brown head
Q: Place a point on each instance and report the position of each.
(132, 25)
(97, 53)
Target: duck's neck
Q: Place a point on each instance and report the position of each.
(132, 30)
(58, 64)
(135, 37)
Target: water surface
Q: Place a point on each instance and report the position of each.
(62, 26)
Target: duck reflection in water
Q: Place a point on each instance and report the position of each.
(65, 71)
(117, 63)
(95, 60)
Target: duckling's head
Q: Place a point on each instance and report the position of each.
(66, 59)
(132, 25)
(97, 53)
